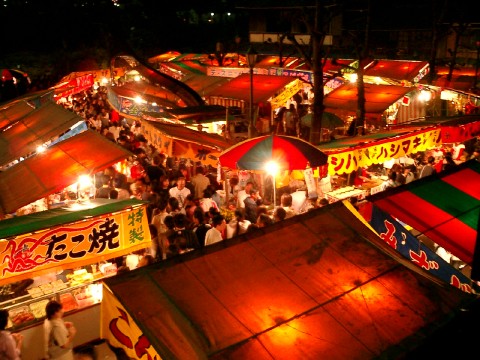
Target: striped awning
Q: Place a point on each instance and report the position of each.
(445, 208)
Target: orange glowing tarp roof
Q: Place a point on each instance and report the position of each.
(378, 97)
(334, 290)
(14, 110)
(458, 82)
(55, 169)
(34, 129)
(397, 69)
(204, 84)
(264, 87)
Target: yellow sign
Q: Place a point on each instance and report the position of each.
(73, 245)
(350, 160)
(290, 90)
(121, 331)
(182, 149)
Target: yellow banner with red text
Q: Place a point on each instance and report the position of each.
(346, 161)
(73, 245)
(121, 331)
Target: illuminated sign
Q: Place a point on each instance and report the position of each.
(72, 245)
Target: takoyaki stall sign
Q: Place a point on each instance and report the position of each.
(94, 235)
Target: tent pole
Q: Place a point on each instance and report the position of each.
(227, 189)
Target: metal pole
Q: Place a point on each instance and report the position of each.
(274, 191)
(476, 65)
(250, 123)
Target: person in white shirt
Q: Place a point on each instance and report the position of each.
(243, 194)
(458, 150)
(214, 235)
(10, 343)
(180, 192)
(238, 225)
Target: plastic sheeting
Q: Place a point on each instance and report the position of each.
(317, 286)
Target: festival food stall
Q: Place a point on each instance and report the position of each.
(442, 208)
(184, 143)
(64, 254)
(269, 93)
(40, 126)
(58, 167)
(348, 154)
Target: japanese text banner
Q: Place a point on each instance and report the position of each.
(376, 153)
(73, 245)
(121, 331)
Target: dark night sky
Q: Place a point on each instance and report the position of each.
(71, 30)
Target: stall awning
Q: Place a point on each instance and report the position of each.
(131, 91)
(454, 129)
(12, 112)
(204, 84)
(334, 290)
(445, 208)
(401, 70)
(46, 219)
(459, 82)
(57, 168)
(199, 112)
(180, 132)
(348, 154)
(35, 129)
(378, 97)
(73, 84)
(77, 235)
(187, 67)
(264, 87)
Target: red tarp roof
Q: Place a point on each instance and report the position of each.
(57, 168)
(11, 112)
(397, 69)
(445, 208)
(188, 95)
(204, 84)
(328, 67)
(181, 132)
(378, 97)
(289, 62)
(458, 82)
(264, 87)
(73, 83)
(334, 290)
(36, 128)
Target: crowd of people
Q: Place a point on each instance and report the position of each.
(185, 210)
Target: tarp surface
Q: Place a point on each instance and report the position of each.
(378, 97)
(204, 84)
(398, 69)
(317, 286)
(57, 168)
(36, 128)
(264, 87)
(12, 111)
(188, 95)
(180, 132)
(445, 208)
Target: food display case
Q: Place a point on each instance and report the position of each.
(81, 290)
(345, 193)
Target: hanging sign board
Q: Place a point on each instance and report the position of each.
(73, 245)
(376, 153)
(121, 331)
